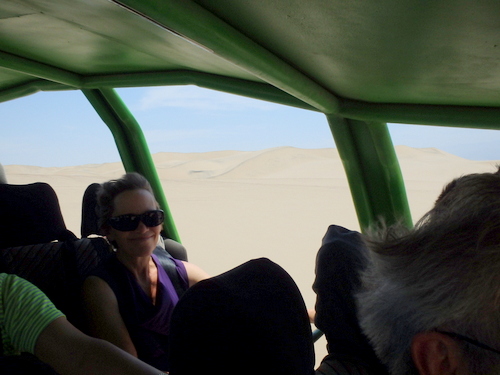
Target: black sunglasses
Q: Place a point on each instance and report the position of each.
(469, 340)
(129, 222)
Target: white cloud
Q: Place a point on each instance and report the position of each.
(193, 97)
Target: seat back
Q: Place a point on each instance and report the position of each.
(340, 260)
(255, 311)
(58, 269)
(90, 218)
(30, 214)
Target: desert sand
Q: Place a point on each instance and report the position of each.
(232, 206)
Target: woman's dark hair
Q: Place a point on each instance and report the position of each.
(108, 191)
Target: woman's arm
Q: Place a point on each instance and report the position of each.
(312, 315)
(194, 273)
(103, 314)
(69, 351)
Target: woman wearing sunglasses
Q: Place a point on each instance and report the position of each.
(129, 299)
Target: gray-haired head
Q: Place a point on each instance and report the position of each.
(443, 274)
(465, 195)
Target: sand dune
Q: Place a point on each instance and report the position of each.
(232, 206)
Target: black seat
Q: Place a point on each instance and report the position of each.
(341, 258)
(90, 224)
(90, 219)
(30, 214)
(58, 269)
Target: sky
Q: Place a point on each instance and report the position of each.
(58, 129)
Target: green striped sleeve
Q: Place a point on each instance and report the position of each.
(26, 313)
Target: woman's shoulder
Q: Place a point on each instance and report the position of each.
(111, 272)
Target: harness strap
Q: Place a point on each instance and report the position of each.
(166, 261)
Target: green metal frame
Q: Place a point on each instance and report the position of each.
(360, 154)
(365, 147)
(194, 23)
(358, 127)
(131, 145)
(372, 170)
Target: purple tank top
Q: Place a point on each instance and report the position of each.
(166, 299)
(147, 324)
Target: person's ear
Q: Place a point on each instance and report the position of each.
(434, 353)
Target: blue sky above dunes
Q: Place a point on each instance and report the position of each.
(55, 129)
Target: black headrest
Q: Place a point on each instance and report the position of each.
(176, 249)
(249, 320)
(30, 214)
(90, 218)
